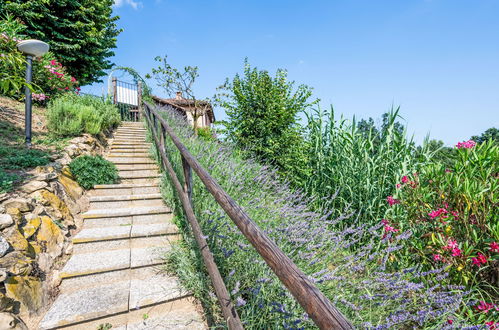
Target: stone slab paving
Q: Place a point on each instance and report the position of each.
(115, 274)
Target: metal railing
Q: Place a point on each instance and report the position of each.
(313, 301)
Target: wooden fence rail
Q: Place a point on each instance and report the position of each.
(313, 301)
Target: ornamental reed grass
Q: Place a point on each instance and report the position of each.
(357, 282)
(358, 166)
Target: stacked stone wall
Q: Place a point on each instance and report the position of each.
(37, 221)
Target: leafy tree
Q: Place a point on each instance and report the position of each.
(492, 134)
(173, 80)
(81, 33)
(262, 116)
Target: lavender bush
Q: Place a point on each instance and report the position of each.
(359, 281)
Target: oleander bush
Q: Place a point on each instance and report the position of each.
(452, 213)
(50, 78)
(92, 170)
(353, 266)
(72, 115)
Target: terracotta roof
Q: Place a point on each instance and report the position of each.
(186, 105)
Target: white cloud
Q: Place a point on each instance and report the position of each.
(131, 3)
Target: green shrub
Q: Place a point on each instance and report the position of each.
(205, 133)
(72, 115)
(262, 119)
(7, 181)
(92, 170)
(19, 158)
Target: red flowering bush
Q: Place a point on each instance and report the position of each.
(453, 214)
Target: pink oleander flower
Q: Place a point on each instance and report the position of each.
(398, 186)
(456, 252)
(484, 306)
(436, 213)
(384, 221)
(390, 229)
(392, 201)
(479, 260)
(450, 321)
(492, 325)
(451, 244)
(437, 257)
(466, 144)
(53, 62)
(494, 247)
(405, 179)
(73, 79)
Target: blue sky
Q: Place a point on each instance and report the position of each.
(437, 59)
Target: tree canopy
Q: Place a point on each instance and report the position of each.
(81, 33)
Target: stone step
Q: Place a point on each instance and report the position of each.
(129, 135)
(123, 231)
(137, 154)
(149, 189)
(144, 287)
(110, 213)
(112, 260)
(130, 160)
(130, 144)
(136, 167)
(175, 314)
(124, 197)
(131, 150)
(152, 181)
(142, 135)
(120, 244)
(127, 221)
(131, 128)
(138, 174)
(130, 147)
(127, 204)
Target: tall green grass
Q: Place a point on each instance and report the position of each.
(358, 167)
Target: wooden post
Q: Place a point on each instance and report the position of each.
(187, 179)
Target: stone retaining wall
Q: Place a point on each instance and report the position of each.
(37, 221)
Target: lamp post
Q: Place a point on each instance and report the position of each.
(31, 48)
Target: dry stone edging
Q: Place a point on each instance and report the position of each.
(113, 275)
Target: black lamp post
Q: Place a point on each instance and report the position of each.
(31, 48)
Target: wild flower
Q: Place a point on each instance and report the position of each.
(437, 257)
(494, 247)
(405, 179)
(479, 260)
(484, 307)
(392, 201)
(466, 144)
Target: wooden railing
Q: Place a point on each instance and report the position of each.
(313, 301)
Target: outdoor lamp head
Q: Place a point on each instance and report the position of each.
(33, 47)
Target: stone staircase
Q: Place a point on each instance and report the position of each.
(114, 276)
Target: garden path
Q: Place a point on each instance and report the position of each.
(114, 276)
